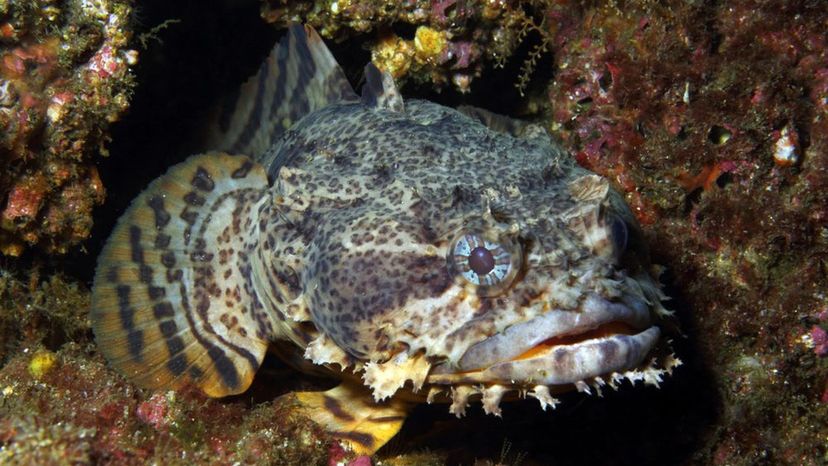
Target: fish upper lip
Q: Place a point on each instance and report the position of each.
(517, 339)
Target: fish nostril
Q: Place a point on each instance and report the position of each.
(619, 234)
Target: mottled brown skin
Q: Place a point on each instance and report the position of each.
(347, 237)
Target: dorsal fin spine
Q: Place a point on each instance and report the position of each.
(380, 91)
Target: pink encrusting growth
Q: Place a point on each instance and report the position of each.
(819, 338)
(64, 78)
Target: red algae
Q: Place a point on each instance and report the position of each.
(819, 338)
(711, 118)
(64, 77)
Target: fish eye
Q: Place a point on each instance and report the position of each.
(489, 264)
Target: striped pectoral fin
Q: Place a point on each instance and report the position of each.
(172, 302)
(350, 414)
(298, 77)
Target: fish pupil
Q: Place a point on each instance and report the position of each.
(481, 260)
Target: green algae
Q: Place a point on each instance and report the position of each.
(49, 311)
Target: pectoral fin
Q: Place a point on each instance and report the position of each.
(172, 304)
(349, 413)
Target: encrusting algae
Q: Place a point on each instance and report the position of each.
(451, 40)
(42, 362)
(64, 78)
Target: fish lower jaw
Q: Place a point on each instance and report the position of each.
(586, 366)
(596, 317)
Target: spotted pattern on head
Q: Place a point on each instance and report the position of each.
(368, 201)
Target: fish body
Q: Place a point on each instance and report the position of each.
(417, 252)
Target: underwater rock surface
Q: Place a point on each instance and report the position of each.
(64, 78)
(711, 118)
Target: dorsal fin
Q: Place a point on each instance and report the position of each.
(380, 91)
(173, 303)
(504, 124)
(298, 77)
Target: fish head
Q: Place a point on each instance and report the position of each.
(541, 280)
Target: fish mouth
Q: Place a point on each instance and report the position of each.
(560, 347)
